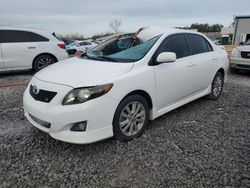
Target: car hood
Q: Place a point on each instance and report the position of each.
(78, 72)
(244, 48)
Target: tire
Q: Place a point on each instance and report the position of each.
(43, 61)
(129, 123)
(217, 86)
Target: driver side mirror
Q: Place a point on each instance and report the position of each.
(166, 57)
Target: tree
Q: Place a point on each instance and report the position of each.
(115, 25)
(100, 35)
(232, 24)
(206, 27)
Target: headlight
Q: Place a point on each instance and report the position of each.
(235, 53)
(81, 95)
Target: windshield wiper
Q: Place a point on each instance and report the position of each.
(90, 57)
(107, 58)
(99, 58)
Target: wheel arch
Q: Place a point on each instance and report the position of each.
(222, 71)
(142, 93)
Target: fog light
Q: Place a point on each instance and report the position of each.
(79, 126)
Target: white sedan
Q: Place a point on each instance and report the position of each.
(114, 92)
(81, 46)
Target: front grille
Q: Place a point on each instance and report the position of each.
(41, 95)
(40, 122)
(245, 55)
(244, 66)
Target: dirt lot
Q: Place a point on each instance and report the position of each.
(202, 144)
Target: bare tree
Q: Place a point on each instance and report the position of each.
(115, 25)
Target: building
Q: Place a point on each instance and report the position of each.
(227, 30)
(242, 29)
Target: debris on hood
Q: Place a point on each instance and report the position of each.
(147, 33)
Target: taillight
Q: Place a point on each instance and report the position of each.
(61, 46)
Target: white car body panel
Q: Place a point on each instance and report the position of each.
(184, 83)
(20, 55)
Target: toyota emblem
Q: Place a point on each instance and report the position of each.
(35, 90)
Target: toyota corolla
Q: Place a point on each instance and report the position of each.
(116, 88)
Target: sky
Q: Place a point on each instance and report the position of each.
(89, 17)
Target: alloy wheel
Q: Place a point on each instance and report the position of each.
(217, 85)
(132, 118)
(44, 62)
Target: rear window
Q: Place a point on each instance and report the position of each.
(198, 44)
(11, 36)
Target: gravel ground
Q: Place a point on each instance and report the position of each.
(202, 144)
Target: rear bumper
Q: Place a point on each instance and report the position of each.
(62, 56)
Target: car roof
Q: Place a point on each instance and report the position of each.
(22, 28)
(147, 33)
(35, 30)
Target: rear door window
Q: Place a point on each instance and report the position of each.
(13, 36)
(198, 44)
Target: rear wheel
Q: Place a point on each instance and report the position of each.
(217, 86)
(131, 118)
(43, 61)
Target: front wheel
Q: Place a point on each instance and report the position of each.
(131, 118)
(217, 86)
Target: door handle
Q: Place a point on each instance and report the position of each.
(31, 47)
(215, 58)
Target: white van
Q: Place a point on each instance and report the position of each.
(26, 48)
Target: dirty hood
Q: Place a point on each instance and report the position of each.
(78, 72)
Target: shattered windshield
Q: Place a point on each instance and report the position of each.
(123, 52)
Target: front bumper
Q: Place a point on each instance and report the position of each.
(240, 63)
(98, 113)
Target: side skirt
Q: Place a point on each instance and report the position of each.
(181, 102)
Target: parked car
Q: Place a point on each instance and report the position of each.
(26, 48)
(217, 41)
(71, 48)
(97, 96)
(66, 41)
(82, 46)
(240, 58)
